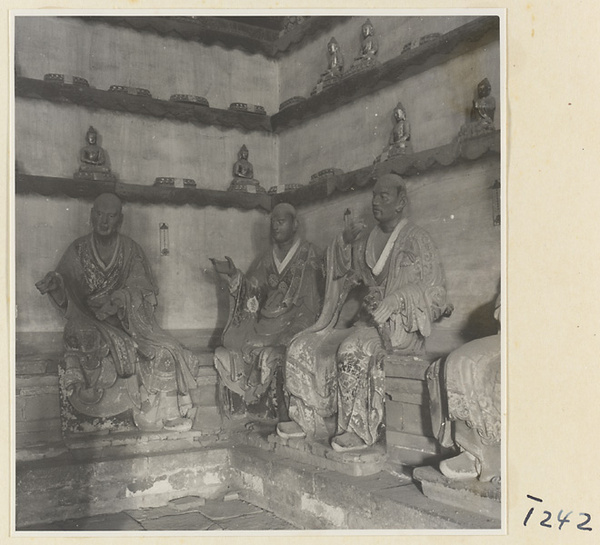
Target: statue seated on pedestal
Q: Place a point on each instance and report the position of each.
(367, 57)
(482, 113)
(471, 419)
(93, 161)
(399, 141)
(116, 356)
(243, 174)
(278, 297)
(339, 371)
(335, 67)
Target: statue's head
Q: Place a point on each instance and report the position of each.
(91, 136)
(284, 224)
(484, 88)
(243, 153)
(389, 198)
(399, 112)
(106, 215)
(367, 29)
(333, 46)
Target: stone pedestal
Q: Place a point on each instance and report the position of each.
(470, 495)
(410, 438)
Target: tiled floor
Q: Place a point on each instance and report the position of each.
(184, 514)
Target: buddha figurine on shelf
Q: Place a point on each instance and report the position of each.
(93, 162)
(368, 50)
(399, 141)
(335, 68)
(243, 174)
(482, 113)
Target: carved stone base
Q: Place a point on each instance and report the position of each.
(470, 495)
(96, 176)
(318, 453)
(475, 129)
(247, 186)
(325, 83)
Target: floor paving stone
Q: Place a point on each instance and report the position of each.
(180, 522)
(114, 522)
(187, 503)
(228, 509)
(259, 521)
(154, 512)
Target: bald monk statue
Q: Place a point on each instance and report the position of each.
(397, 270)
(116, 356)
(278, 297)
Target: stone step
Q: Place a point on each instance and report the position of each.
(69, 487)
(317, 498)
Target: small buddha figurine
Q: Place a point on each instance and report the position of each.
(399, 141)
(334, 69)
(482, 113)
(93, 160)
(242, 168)
(368, 49)
(484, 106)
(243, 174)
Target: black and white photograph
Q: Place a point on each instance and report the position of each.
(258, 272)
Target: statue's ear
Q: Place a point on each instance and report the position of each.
(296, 224)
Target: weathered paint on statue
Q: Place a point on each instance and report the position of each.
(278, 297)
(116, 356)
(331, 370)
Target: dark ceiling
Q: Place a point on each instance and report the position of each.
(271, 23)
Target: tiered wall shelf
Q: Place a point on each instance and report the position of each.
(89, 190)
(457, 42)
(226, 33)
(450, 45)
(407, 165)
(92, 98)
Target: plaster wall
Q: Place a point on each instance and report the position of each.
(454, 205)
(48, 138)
(107, 55)
(190, 296)
(299, 71)
(437, 102)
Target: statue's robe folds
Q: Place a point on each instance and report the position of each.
(329, 369)
(471, 385)
(124, 360)
(270, 304)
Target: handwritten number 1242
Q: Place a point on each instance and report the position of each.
(561, 519)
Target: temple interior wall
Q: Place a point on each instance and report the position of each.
(299, 71)
(437, 103)
(453, 203)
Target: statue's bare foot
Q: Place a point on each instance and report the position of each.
(290, 429)
(347, 441)
(178, 424)
(462, 466)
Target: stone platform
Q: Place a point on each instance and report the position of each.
(471, 495)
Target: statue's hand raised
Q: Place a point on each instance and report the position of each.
(49, 283)
(351, 231)
(224, 267)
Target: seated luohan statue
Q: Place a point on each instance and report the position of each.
(243, 174)
(116, 356)
(93, 162)
(470, 419)
(278, 297)
(397, 268)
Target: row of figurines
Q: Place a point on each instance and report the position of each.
(94, 164)
(289, 337)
